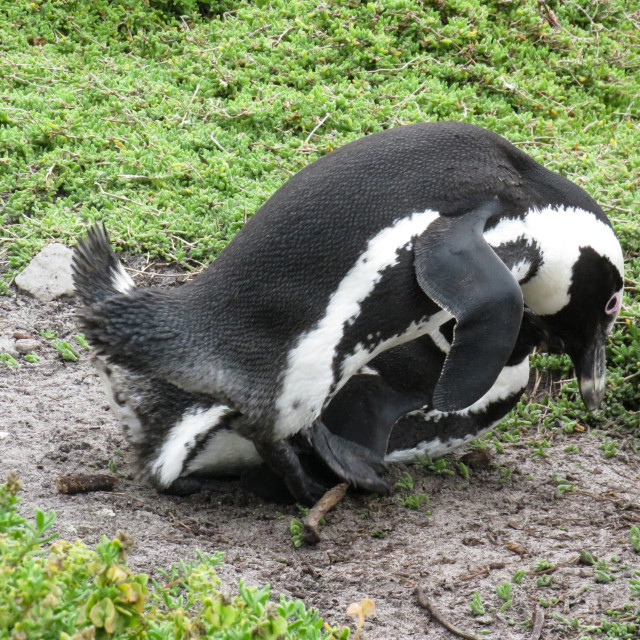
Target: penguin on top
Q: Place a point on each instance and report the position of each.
(157, 417)
(374, 245)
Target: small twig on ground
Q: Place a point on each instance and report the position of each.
(84, 483)
(217, 144)
(550, 16)
(326, 116)
(483, 570)
(425, 603)
(124, 199)
(193, 97)
(153, 274)
(538, 621)
(330, 499)
(536, 385)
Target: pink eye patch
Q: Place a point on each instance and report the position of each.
(614, 304)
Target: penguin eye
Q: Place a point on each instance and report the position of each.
(614, 304)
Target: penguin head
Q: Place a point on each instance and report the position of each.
(576, 289)
(581, 327)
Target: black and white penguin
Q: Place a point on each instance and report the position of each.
(374, 245)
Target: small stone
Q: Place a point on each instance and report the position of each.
(21, 335)
(7, 345)
(48, 275)
(27, 345)
(477, 458)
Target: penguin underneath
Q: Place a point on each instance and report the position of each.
(372, 246)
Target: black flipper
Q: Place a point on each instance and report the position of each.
(349, 460)
(459, 271)
(365, 410)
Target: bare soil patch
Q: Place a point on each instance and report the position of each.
(55, 420)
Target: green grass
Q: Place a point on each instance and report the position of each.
(176, 129)
(175, 121)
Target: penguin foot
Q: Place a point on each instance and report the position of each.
(349, 460)
(284, 461)
(190, 485)
(266, 484)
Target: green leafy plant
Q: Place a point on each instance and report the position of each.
(415, 502)
(545, 580)
(440, 466)
(8, 360)
(296, 531)
(405, 482)
(67, 351)
(411, 501)
(504, 591)
(609, 447)
(476, 605)
(82, 341)
(544, 565)
(603, 572)
(518, 576)
(379, 534)
(69, 591)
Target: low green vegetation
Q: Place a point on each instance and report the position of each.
(621, 623)
(174, 120)
(59, 590)
(407, 497)
(476, 605)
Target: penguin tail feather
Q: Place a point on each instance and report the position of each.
(138, 330)
(97, 272)
(133, 327)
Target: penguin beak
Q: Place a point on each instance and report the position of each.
(591, 373)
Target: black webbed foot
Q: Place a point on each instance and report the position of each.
(284, 461)
(349, 460)
(266, 484)
(190, 485)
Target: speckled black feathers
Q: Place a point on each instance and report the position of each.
(115, 316)
(94, 263)
(229, 331)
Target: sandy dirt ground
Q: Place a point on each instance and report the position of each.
(54, 420)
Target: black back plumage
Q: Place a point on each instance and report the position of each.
(229, 331)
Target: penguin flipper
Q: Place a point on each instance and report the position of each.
(459, 271)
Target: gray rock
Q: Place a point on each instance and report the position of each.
(48, 275)
(8, 345)
(27, 345)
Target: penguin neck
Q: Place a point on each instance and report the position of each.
(522, 256)
(542, 246)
